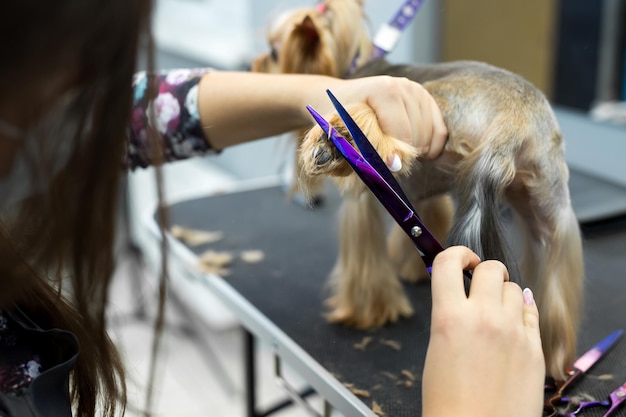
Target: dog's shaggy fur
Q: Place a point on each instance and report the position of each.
(504, 146)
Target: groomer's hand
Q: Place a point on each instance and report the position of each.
(484, 357)
(404, 108)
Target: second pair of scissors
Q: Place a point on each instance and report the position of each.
(557, 405)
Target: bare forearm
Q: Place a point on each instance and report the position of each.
(237, 107)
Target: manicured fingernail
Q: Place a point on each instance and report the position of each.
(396, 164)
(527, 294)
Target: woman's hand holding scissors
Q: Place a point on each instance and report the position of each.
(484, 356)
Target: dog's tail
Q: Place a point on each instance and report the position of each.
(482, 178)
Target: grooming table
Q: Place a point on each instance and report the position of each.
(279, 301)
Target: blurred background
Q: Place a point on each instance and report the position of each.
(573, 50)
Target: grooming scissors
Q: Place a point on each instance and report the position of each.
(615, 400)
(370, 167)
(580, 367)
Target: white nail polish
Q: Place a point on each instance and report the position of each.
(527, 295)
(396, 165)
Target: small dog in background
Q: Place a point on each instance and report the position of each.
(504, 147)
(297, 46)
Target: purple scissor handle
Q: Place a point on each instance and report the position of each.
(615, 400)
(372, 170)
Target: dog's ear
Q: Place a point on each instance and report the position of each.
(307, 31)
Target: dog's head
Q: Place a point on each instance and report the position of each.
(327, 39)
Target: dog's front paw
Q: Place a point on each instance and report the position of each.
(363, 317)
(367, 299)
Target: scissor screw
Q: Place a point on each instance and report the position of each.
(416, 231)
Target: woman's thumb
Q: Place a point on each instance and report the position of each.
(531, 313)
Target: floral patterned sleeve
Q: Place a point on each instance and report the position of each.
(20, 362)
(177, 118)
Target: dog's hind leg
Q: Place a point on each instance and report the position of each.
(436, 214)
(553, 264)
(366, 290)
(319, 157)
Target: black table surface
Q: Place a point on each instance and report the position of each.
(289, 288)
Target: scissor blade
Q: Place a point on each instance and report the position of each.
(594, 354)
(428, 247)
(426, 244)
(366, 148)
(368, 174)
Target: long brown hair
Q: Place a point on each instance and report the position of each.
(57, 250)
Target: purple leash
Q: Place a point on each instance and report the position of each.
(389, 34)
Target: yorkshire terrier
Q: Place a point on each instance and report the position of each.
(504, 148)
